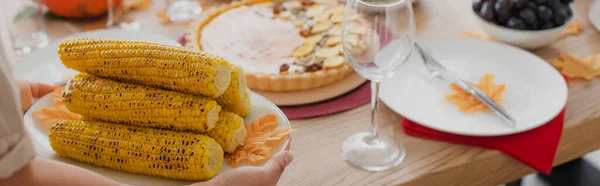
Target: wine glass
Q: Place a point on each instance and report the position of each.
(183, 10)
(116, 18)
(377, 38)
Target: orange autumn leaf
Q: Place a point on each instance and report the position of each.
(278, 133)
(575, 67)
(256, 148)
(573, 29)
(262, 125)
(468, 103)
(57, 96)
(49, 116)
(557, 63)
(162, 17)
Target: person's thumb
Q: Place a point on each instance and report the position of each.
(277, 164)
(39, 89)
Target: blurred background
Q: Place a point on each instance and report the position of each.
(30, 24)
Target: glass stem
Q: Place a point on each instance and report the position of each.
(374, 106)
(110, 21)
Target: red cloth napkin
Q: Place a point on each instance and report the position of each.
(535, 148)
(355, 98)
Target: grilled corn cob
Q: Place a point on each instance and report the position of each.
(118, 102)
(230, 131)
(157, 152)
(236, 98)
(157, 65)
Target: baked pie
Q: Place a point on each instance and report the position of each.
(286, 45)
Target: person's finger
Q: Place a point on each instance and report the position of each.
(40, 89)
(277, 164)
(25, 94)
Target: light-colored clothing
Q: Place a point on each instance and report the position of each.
(16, 147)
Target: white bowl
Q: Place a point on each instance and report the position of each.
(526, 39)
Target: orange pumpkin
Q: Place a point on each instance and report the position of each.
(78, 9)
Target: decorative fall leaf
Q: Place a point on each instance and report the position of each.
(468, 103)
(258, 133)
(573, 29)
(57, 96)
(574, 67)
(51, 115)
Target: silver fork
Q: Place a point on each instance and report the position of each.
(438, 71)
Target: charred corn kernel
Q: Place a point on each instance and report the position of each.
(230, 131)
(152, 64)
(156, 152)
(236, 98)
(112, 101)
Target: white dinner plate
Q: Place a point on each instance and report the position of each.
(43, 65)
(39, 133)
(535, 91)
(594, 14)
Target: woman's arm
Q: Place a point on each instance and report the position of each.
(42, 171)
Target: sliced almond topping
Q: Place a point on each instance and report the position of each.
(285, 15)
(299, 23)
(339, 49)
(304, 50)
(321, 26)
(315, 10)
(327, 52)
(336, 30)
(352, 39)
(334, 40)
(333, 61)
(327, 14)
(323, 16)
(337, 9)
(355, 28)
(314, 39)
(289, 5)
(337, 18)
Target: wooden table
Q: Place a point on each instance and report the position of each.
(316, 143)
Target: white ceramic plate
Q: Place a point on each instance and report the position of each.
(43, 65)
(594, 14)
(39, 133)
(535, 91)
